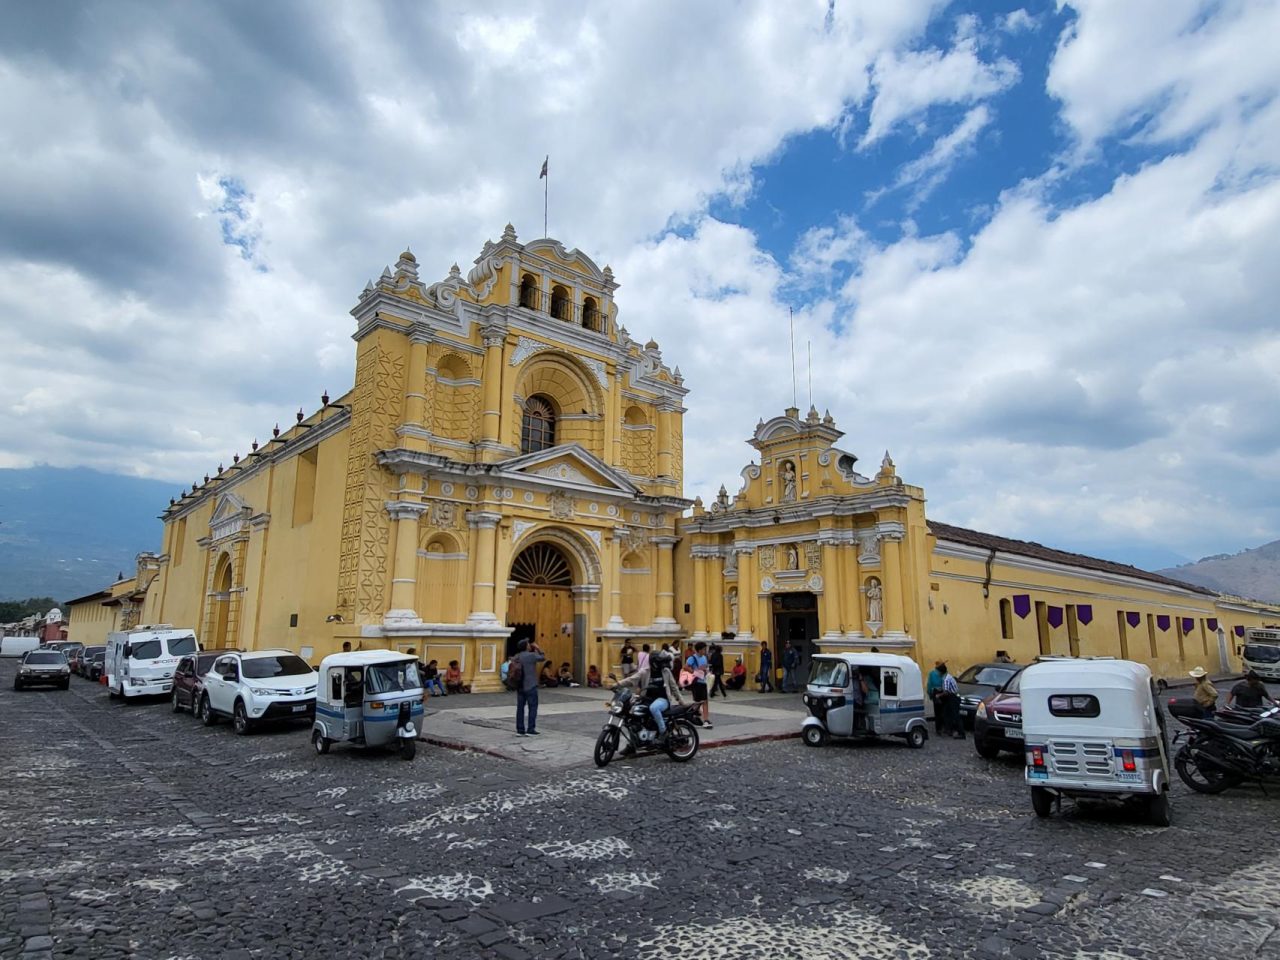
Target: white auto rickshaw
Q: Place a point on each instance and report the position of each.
(864, 695)
(1093, 728)
(369, 698)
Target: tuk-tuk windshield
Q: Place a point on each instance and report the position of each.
(829, 673)
(392, 677)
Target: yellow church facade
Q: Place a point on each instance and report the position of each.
(509, 464)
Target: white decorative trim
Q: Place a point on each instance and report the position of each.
(525, 348)
(597, 368)
(520, 527)
(593, 535)
(563, 471)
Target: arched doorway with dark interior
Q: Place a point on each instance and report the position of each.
(795, 619)
(541, 608)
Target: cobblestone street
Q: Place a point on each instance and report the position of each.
(129, 831)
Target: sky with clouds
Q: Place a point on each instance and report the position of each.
(1032, 248)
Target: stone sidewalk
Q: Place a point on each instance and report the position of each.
(570, 718)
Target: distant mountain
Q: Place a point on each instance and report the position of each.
(68, 532)
(1250, 573)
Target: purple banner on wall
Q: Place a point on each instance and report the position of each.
(1213, 623)
(1084, 613)
(1133, 618)
(1022, 605)
(1162, 621)
(1188, 624)
(1239, 631)
(1054, 616)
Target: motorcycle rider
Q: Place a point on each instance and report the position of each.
(657, 688)
(1249, 693)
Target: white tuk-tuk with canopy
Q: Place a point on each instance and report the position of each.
(864, 695)
(1093, 728)
(370, 698)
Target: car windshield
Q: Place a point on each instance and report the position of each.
(182, 646)
(391, 677)
(1013, 684)
(90, 651)
(263, 668)
(829, 673)
(204, 662)
(986, 676)
(1261, 653)
(145, 650)
(52, 657)
(98, 656)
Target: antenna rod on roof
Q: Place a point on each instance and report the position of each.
(809, 346)
(793, 355)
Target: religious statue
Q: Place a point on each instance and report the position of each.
(788, 482)
(733, 607)
(875, 596)
(793, 558)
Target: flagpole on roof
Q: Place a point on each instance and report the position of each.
(792, 311)
(545, 190)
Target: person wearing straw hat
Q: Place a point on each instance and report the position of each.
(1205, 695)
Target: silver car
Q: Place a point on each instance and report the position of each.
(47, 667)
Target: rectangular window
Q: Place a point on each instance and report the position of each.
(1151, 635)
(1006, 619)
(1123, 629)
(304, 485)
(1073, 630)
(179, 538)
(1042, 628)
(1074, 705)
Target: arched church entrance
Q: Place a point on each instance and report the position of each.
(795, 620)
(542, 606)
(222, 603)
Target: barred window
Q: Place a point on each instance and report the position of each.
(538, 430)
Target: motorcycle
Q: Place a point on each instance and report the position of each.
(1224, 752)
(629, 716)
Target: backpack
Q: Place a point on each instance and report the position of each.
(515, 673)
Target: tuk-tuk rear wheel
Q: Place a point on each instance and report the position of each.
(814, 736)
(1042, 802)
(916, 738)
(1158, 810)
(320, 742)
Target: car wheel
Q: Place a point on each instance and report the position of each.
(916, 738)
(207, 716)
(177, 706)
(239, 718)
(1042, 802)
(814, 736)
(321, 743)
(17, 684)
(66, 684)
(1158, 811)
(986, 749)
(682, 741)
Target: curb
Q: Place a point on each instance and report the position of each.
(711, 745)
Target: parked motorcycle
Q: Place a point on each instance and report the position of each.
(1226, 751)
(629, 717)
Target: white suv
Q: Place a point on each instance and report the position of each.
(259, 686)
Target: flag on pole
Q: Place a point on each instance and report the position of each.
(544, 167)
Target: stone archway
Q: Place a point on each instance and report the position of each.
(221, 604)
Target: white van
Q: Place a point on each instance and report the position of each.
(1261, 652)
(140, 662)
(17, 646)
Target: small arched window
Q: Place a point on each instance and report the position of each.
(559, 302)
(529, 292)
(1006, 619)
(538, 429)
(591, 314)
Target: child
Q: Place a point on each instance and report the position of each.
(593, 676)
(453, 678)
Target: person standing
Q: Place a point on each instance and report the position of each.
(1205, 695)
(933, 687)
(790, 664)
(628, 658)
(716, 659)
(1250, 693)
(642, 662)
(698, 665)
(527, 695)
(766, 667)
(951, 705)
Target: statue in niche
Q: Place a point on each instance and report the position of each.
(875, 601)
(793, 557)
(733, 607)
(788, 482)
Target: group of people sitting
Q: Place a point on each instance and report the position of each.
(550, 677)
(440, 684)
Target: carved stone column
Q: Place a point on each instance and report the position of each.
(613, 575)
(831, 617)
(891, 579)
(665, 453)
(483, 575)
(747, 588)
(415, 391)
(666, 595)
(850, 592)
(495, 335)
(404, 566)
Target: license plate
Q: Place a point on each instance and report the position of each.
(1013, 734)
(300, 708)
(1038, 774)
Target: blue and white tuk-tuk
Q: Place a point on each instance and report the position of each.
(864, 695)
(369, 698)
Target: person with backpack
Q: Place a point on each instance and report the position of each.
(696, 663)
(524, 673)
(716, 680)
(766, 667)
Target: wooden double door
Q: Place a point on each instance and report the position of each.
(544, 614)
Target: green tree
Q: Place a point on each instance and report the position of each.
(11, 610)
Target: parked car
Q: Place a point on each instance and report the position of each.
(97, 662)
(188, 679)
(73, 650)
(979, 682)
(257, 687)
(997, 723)
(82, 663)
(42, 667)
